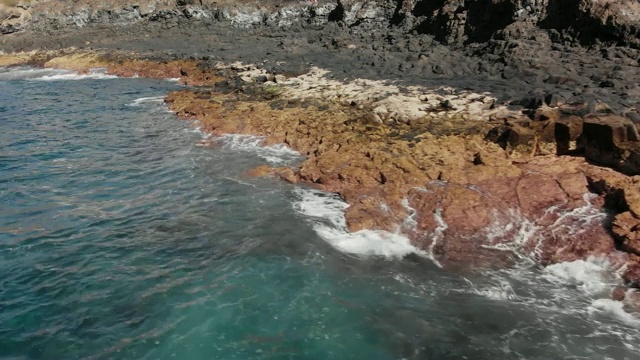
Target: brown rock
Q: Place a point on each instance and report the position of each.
(522, 141)
(261, 171)
(632, 301)
(631, 274)
(618, 293)
(627, 228)
(613, 141)
(538, 192)
(471, 204)
(284, 173)
(567, 131)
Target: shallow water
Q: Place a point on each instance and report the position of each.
(126, 234)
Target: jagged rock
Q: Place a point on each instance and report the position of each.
(566, 132)
(466, 210)
(627, 228)
(611, 140)
(471, 224)
(521, 140)
(462, 21)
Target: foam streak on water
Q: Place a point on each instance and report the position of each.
(24, 73)
(93, 74)
(146, 100)
(278, 154)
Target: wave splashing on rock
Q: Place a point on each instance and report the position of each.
(327, 215)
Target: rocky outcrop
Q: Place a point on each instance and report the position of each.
(612, 141)
(124, 64)
(50, 15)
(622, 198)
(581, 129)
(464, 200)
(13, 16)
(467, 21)
(449, 21)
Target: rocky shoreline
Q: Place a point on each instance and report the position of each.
(483, 130)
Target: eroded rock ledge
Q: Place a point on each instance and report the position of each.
(431, 168)
(472, 182)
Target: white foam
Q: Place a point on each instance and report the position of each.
(95, 74)
(614, 309)
(25, 73)
(197, 129)
(145, 100)
(410, 223)
(593, 275)
(327, 213)
(579, 218)
(438, 235)
(501, 291)
(278, 154)
(512, 224)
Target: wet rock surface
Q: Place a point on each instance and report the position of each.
(465, 201)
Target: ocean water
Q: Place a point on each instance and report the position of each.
(125, 233)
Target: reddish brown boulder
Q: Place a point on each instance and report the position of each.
(538, 192)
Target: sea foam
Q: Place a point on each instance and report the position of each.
(326, 212)
(27, 73)
(613, 309)
(278, 154)
(94, 74)
(146, 100)
(591, 275)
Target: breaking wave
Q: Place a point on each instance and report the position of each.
(27, 73)
(63, 75)
(278, 154)
(326, 212)
(147, 100)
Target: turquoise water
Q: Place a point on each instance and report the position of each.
(125, 234)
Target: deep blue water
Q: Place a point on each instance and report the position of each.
(123, 237)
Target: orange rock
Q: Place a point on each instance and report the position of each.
(470, 202)
(627, 228)
(284, 173)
